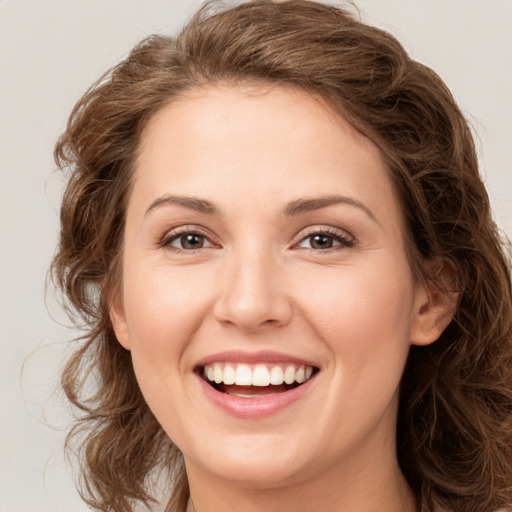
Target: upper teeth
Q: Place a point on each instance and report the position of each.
(257, 375)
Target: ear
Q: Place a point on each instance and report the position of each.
(118, 320)
(435, 303)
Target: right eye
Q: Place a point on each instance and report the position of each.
(187, 241)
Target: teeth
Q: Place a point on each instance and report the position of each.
(218, 374)
(289, 375)
(243, 375)
(276, 376)
(229, 375)
(259, 375)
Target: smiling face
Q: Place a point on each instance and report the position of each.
(267, 300)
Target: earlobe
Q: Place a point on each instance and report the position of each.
(435, 304)
(118, 320)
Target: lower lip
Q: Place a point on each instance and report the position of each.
(254, 408)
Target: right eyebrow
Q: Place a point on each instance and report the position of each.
(192, 203)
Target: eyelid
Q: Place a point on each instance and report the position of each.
(173, 233)
(346, 239)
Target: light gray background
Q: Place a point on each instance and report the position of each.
(50, 51)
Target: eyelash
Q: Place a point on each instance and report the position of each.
(169, 238)
(343, 241)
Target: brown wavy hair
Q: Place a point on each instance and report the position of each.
(454, 434)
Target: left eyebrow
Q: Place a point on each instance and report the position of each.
(305, 205)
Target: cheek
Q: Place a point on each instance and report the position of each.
(164, 312)
(363, 312)
(163, 309)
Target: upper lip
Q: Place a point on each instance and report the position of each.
(241, 356)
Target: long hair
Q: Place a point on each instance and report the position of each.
(454, 435)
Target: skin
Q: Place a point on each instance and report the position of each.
(257, 282)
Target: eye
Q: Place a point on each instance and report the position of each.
(325, 240)
(187, 241)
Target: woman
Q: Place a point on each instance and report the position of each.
(295, 294)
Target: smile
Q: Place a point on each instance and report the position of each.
(254, 385)
(232, 375)
(256, 390)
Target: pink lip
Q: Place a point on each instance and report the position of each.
(238, 356)
(256, 407)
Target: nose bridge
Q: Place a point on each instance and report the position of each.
(253, 295)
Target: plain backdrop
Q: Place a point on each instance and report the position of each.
(50, 51)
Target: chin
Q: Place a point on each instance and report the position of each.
(253, 462)
(258, 475)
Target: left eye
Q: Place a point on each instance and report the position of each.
(323, 241)
(188, 241)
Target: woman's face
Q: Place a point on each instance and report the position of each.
(263, 245)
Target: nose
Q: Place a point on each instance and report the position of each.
(253, 295)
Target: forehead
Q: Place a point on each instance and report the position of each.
(267, 107)
(257, 141)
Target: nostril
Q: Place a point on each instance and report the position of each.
(252, 303)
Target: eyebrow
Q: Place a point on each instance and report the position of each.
(192, 203)
(294, 208)
(315, 203)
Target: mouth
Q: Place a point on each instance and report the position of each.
(255, 380)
